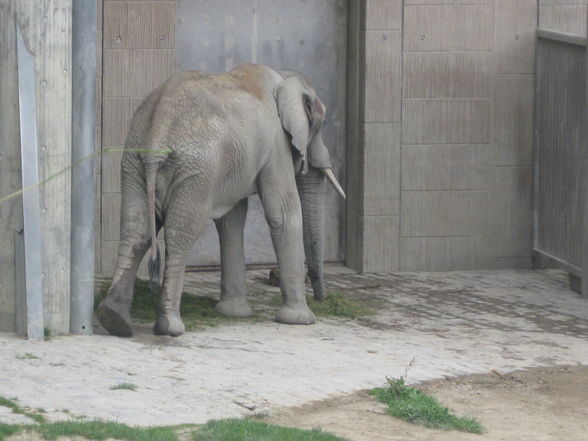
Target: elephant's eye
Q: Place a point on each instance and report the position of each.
(308, 105)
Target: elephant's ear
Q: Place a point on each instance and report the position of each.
(290, 98)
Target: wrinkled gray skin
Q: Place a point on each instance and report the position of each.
(198, 147)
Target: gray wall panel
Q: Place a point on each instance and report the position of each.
(446, 167)
(513, 119)
(444, 121)
(444, 213)
(514, 35)
(383, 76)
(381, 171)
(459, 27)
(304, 36)
(443, 253)
(447, 75)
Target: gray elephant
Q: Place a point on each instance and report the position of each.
(198, 146)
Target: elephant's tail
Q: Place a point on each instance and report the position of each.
(155, 258)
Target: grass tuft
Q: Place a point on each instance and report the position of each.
(339, 305)
(11, 404)
(8, 429)
(125, 386)
(246, 430)
(416, 407)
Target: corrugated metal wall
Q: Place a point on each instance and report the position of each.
(561, 149)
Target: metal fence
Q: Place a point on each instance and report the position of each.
(561, 148)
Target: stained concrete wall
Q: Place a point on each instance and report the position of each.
(443, 143)
(46, 28)
(440, 114)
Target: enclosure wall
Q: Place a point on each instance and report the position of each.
(444, 147)
(439, 126)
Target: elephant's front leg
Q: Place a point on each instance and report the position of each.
(233, 301)
(282, 210)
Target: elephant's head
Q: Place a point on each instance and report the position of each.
(302, 114)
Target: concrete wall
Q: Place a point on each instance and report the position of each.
(564, 15)
(46, 30)
(440, 108)
(443, 144)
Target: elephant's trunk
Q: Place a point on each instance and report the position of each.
(313, 218)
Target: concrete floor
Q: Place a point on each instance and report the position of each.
(428, 325)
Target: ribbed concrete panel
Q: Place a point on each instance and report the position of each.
(383, 76)
(381, 244)
(570, 18)
(111, 219)
(117, 117)
(446, 121)
(444, 213)
(447, 75)
(111, 170)
(381, 169)
(448, 27)
(383, 14)
(513, 119)
(446, 167)
(511, 211)
(444, 253)
(514, 35)
(136, 72)
(139, 24)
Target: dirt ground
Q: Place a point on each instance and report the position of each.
(537, 404)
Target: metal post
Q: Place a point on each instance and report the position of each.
(585, 188)
(82, 185)
(30, 199)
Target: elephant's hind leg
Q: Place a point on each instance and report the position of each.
(184, 220)
(233, 298)
(113, 311)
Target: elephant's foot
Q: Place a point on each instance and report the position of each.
(235, 307)
(115, 318)
(171, 325)
(295, 315)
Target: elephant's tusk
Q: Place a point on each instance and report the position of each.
(333, 180)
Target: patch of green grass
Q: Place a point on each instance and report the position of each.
(47, 334)
(246, 430)
(94, 430)
(11, 404)
(8, 429)
(27, 356)
(98, 430)
(338, 304)
(414, 406)
(125, 386)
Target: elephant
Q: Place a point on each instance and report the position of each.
(198, 146)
